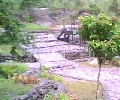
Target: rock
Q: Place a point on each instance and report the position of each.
(25, 58)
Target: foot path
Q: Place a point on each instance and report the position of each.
(48, 50)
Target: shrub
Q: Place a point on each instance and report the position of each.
(10, 70)
(63, 97)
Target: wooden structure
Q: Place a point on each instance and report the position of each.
(67, 33)
(71, 30)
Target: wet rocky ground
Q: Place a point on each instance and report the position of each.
(53, 54)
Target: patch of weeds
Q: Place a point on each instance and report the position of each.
(45, 74)
(58, 78)
(44, 68)
(60, 97)
(63, 97)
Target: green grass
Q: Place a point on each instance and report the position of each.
(45, 74)
(5, 49)
(9, 89)
(32, 26)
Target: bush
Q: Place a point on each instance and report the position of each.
(10, 70)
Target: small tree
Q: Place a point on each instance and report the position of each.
(99, 31)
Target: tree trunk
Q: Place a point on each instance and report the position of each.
(98, 78)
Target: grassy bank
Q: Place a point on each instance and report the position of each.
(32, 26)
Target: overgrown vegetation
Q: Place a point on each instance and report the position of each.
(45, 74)
(108, 6)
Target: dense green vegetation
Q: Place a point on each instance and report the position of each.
(108, 6)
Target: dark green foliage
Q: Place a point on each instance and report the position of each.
(10, 70)
(100, 32)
